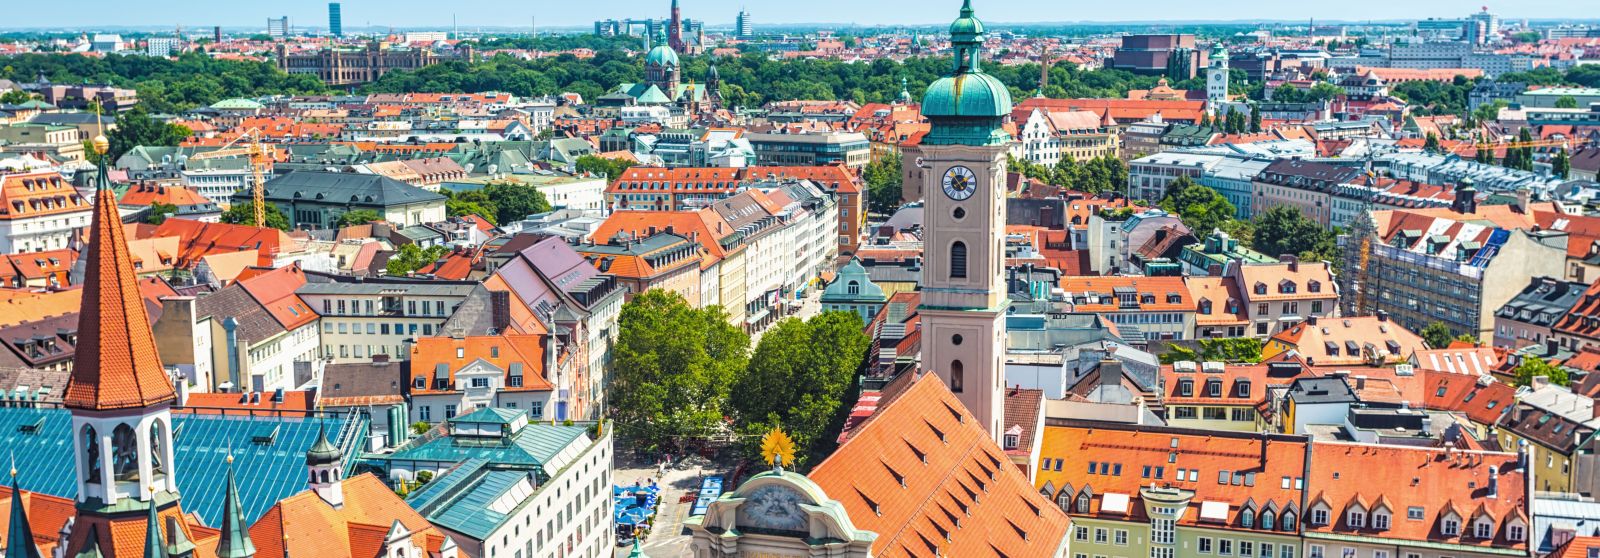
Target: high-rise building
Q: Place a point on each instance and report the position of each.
(964, 298)
(216, 33)
(278, 27)
(742, 26)
(1482, 27)
(335, 20)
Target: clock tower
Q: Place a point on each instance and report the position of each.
(963, 167)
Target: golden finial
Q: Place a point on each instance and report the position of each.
(101, 144)
(230, 459)
(777, 449)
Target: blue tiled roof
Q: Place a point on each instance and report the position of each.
(493, 415)
(460, 500)
(268, 456)
(535, 444)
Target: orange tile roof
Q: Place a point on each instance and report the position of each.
(1262, 281)
(1227, 306)
(1436, 480)
(225, 403)
(38, 194)
(274, 290)
(1127, 459)
(115, 365)
(922, 459)
(1160, 287)
(1367, 333)
(121, 535)
(171, 195)
(499, 350)
(198, 239)
(354, 530)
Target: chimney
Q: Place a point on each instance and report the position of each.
(1311, 320)
(500, 310)
(1383, 315)
(1110, 372)
(1550, 346)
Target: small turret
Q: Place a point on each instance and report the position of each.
(325, 466)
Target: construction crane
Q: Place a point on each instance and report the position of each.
(260, 155)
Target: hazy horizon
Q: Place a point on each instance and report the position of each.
(505, 14)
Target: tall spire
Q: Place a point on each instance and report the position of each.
(235, 539)
(153, 546)
(115, 365)
(19, 537)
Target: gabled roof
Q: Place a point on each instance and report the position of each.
(922, 457)
(355, 530)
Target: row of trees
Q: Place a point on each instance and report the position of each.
(166, 85)
(1236, 122)
(1277, 231)
(1101, 174)
(683, 373)
(497, 202)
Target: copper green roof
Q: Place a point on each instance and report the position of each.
(662, 55)
(19, 537)
(969, 106)
(234, 541)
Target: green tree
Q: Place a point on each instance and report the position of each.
(1285, 230)
(603, 166)
(244, 213)
(883, 180)
(1431, 144)
(1534, 367)
(1234, 350)
(159, 212)
(1437, 335)
(474, 202)
(135, 127)
(411, 257)
(1255, 118)
(798, 378)
(515, 202)
(15, 97)
(1201, 208)
(674, 366)
(1561, 166)
(357, 217)
(1567, 102)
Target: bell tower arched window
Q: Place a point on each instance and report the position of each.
(958, 375)
(124, 453)
(958, 260)
(91, 454)
(158, 454)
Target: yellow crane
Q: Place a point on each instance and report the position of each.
(260, 155)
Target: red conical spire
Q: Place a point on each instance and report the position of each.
(115, 365)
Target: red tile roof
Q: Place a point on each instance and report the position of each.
(115, 365)
(354, 530)
(922, 460)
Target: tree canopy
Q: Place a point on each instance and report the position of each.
(410, 258)
(1284, 230)
(1201, 208)
(1233, 350)
(135, 127)
(883, 180)
(674, 366)
(514, 202)
(244, 213)
(798, 378)
(1437, 335)
(1531, 368)
(603, 166)
(357, 217)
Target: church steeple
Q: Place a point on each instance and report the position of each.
(153, 547)
(325, 466)
(235, 539)
(19, 535)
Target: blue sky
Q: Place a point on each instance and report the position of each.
(471, 13)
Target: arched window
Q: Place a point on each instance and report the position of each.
(957, 376)
(91, 454)
(1268, 520)
(1064, 500)
(157, 466)
(1083, 501)
(124, 453)
(324, 476)
(958, 260)
(1288, 521)
(852, 287)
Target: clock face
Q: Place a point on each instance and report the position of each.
(774, 508)
(960, 183)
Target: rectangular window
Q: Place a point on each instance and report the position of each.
(1100, 534)
(1080, 532)
(1205, 545)
(449, 412)
(426, 413)
(536, 409)
(480, 382)
(1121, 538)
(1225, 547)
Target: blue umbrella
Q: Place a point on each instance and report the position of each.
(633, 516)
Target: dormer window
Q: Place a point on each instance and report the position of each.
(1185, 388)
(1380, 520)
(1319, 516)
(1261, 288)
(1205, 306)
(1356, 518)
(1516, 532)
(1286, 287)
(1213, 388)
(1314, 286)
(1241, 389)
(1483, 528)
(1450, 526)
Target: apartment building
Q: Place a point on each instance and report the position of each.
(458, 375)
(1280, 295)
(1305, 185)
(1144, 309)
(365, 319)
(850, 149)
(42, 212)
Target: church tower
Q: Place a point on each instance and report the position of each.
(963, 294)
(325, 464)
(1217, 79)
(120, 399)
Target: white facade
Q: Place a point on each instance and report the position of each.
(578, 193)
(270, 362)
(1039, 143)
(364, 319)
(37, 234)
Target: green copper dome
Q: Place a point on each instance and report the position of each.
(967, 95)
(966, 24)
(662, 55)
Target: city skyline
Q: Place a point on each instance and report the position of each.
(312, 14)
